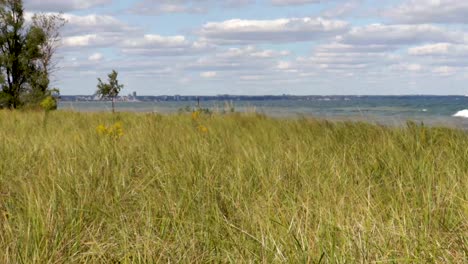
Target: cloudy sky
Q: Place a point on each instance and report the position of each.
(264, 46)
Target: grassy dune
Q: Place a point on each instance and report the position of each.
(229, 188)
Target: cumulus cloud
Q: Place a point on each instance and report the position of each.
(63, 6)
(208, 75)
(85, 41)
(430, 11)
(245, 59)
(445, 70)
(93, 30)
(238, 31)
(162, 8)
(156, 7)
(95, 23)
(96, 57)
(333, 60)
(149, 41)
(295, 2)
(157, 45)
(407, 67)
(440, 49)
(348, 48)
(441, 54)
(379, 34)
(263, 55)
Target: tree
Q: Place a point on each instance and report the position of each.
(109, 90)
(51, 24)
(23, 51)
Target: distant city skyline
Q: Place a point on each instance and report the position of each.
(258, 47)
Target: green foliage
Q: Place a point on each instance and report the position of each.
(252, 190)
(111, 89)
(49, 103)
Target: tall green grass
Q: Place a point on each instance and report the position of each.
(251, 189)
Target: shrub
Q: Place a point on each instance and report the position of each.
(49, 103)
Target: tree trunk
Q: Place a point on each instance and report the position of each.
(113, 107)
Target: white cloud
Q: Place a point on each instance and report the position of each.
(439, 49)
(414, 67)
(80, 41)
(271, 31)
(347, 48)
(157, 7)
(295, 2)
(208, 75)
(344, 8)
(379, 34)
(162, 8)
(252, 52)
(150, 40)
(430, 11)
(407, 67)
(89, 41)
(284, 65)
(445, 70)
(95, 23)
(62, 5)
(267, 55)
(252, 77)
(246, 59)
(93, 30)
(157, 45)
(441, 55)
(337, 61)
(96, 57)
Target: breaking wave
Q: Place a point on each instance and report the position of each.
(462, 113)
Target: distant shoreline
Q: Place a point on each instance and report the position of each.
(227, 97)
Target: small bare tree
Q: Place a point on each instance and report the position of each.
(50, 24)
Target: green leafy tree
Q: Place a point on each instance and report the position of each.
(24, 76)
(109, 90)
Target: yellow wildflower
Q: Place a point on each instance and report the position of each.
(101, 130)
(195, 115)
(118, 125)
(115, 131)
(202, 129)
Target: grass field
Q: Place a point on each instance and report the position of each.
(146, 188)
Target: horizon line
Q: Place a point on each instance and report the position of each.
(279, 95)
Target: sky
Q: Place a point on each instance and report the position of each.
(259, 47)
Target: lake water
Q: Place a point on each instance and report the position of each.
(432, 110)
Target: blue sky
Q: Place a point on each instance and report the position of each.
(208, 47)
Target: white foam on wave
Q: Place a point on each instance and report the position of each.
(462, 113)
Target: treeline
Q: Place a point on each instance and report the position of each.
(27, 50)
